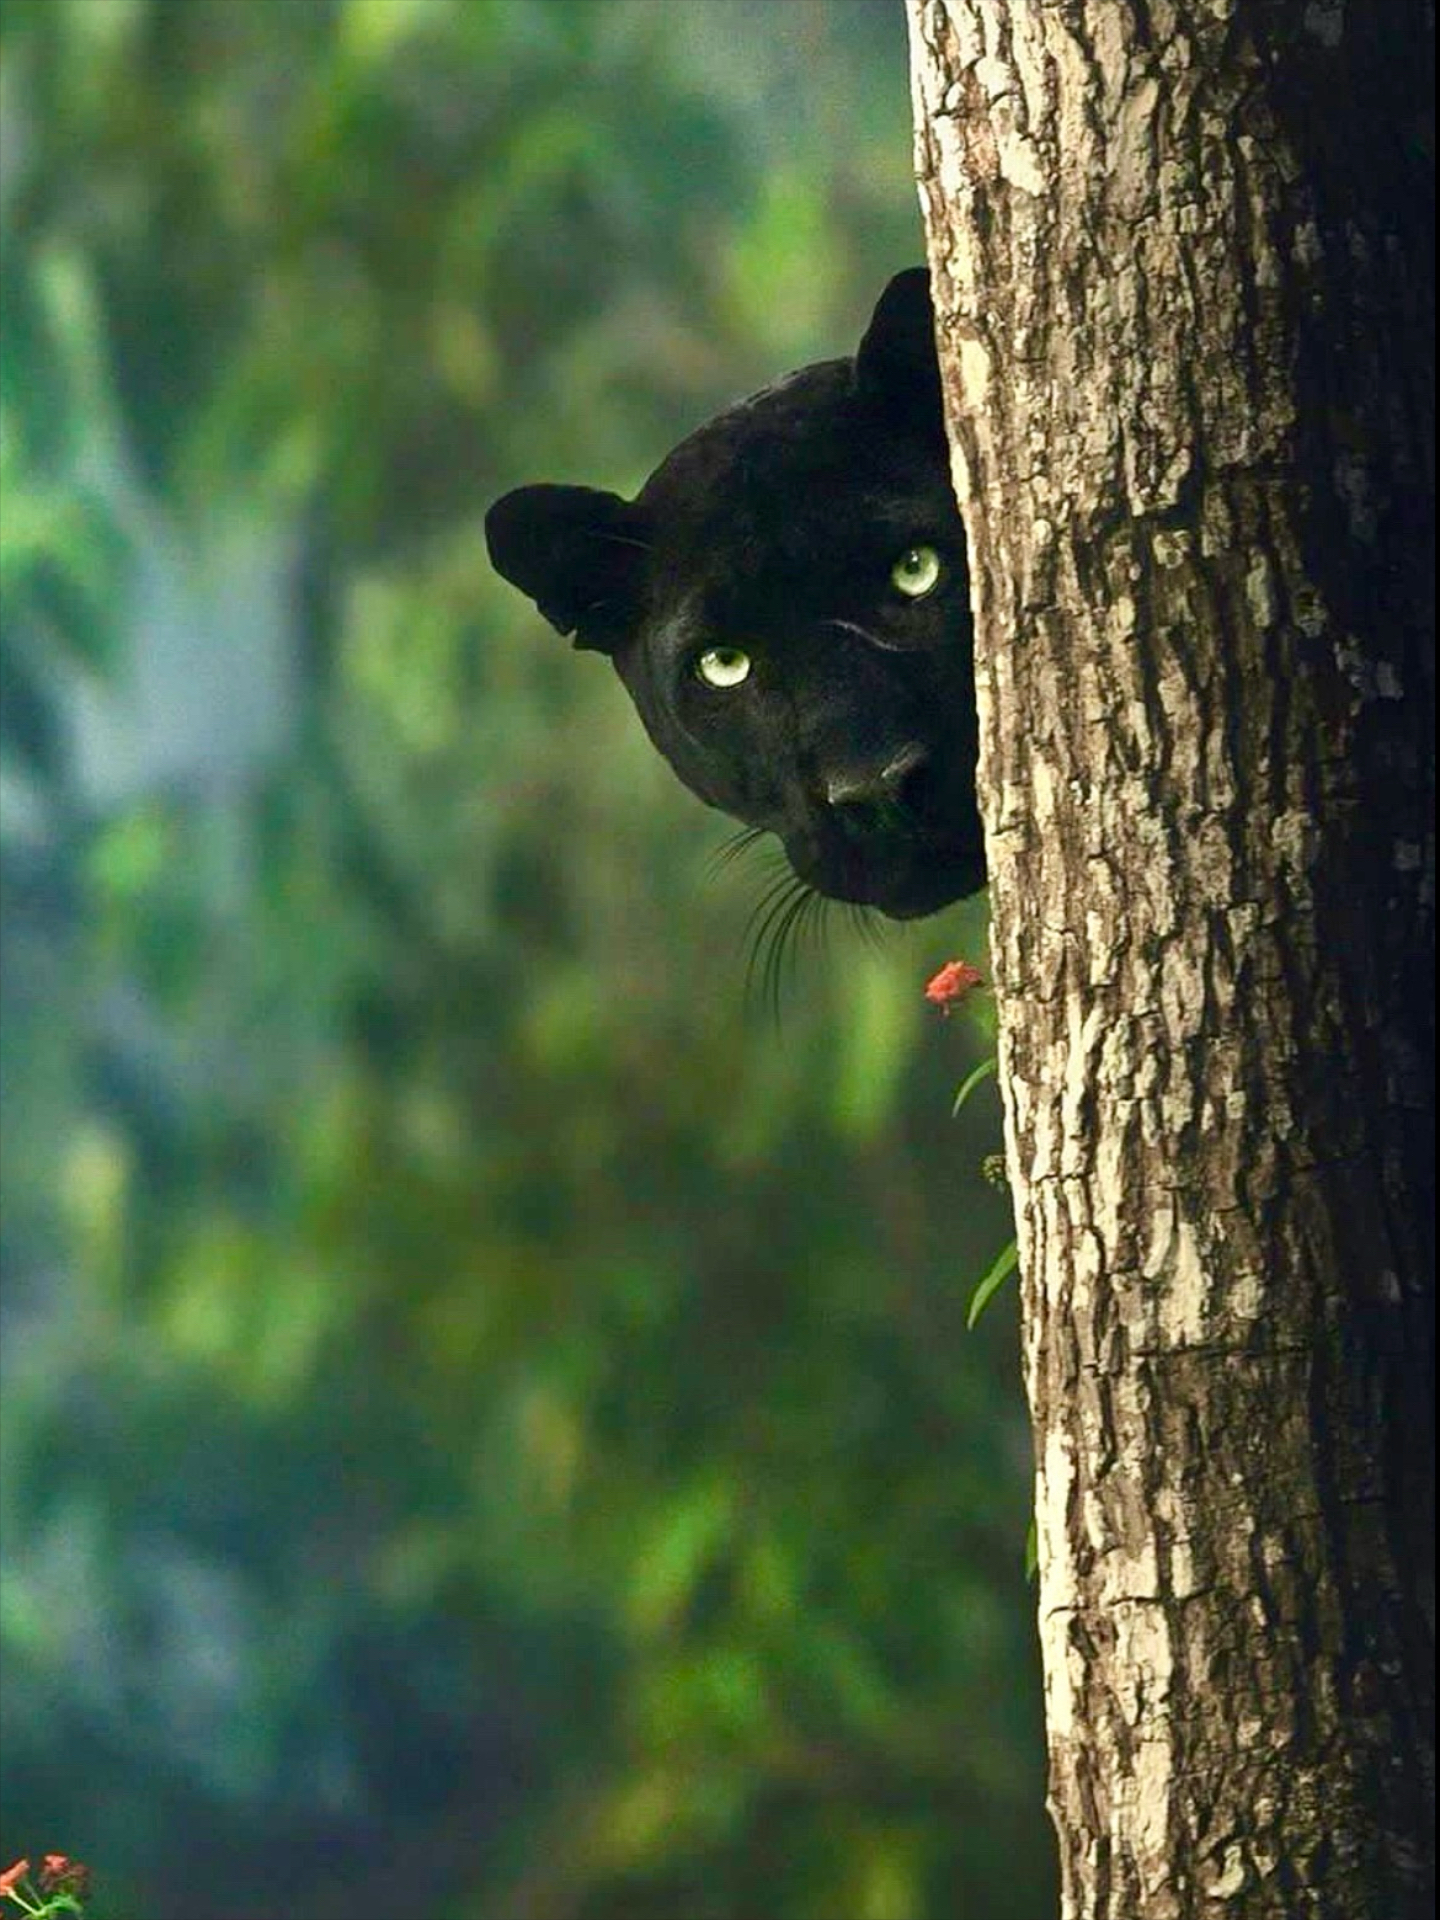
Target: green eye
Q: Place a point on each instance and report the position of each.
(723, 667)
(916, 572)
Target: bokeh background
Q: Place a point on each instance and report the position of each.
(488, 1421)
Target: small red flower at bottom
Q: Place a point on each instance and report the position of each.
(60, 1874)
(11, 1876)
(950, 985)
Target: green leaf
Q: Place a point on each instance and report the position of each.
(980, 1299)
(971, 1081)
(690, 1533)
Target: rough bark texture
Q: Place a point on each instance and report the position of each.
(1182, 257)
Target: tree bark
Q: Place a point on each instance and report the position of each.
(1183, 266)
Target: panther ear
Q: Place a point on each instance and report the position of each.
(896, 363)
(577, 552)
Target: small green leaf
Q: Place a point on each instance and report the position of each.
(970, 1082)
(1032, 1550)
(980, 1299)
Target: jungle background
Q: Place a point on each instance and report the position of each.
(488, 1420)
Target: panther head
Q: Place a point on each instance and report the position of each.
(787, 603)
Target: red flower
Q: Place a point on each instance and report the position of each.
(60, 1874)
(951, 984)
(10, 1876)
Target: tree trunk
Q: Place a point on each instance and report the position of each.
(1183, 271)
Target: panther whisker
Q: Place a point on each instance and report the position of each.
(812, 921)
(774, 921)
(735, 848)
(808, 930)
(861, 633)
(760, 924)
(870, 930)
(772, 893)
(783, 938)
(762, 917)
(620, 539)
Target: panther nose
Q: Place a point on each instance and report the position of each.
(875, 793)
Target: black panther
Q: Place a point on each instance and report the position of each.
(787, 602)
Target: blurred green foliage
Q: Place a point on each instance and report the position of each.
(488, 1421)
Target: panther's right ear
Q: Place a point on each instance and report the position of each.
(896, 363)
(577, 552)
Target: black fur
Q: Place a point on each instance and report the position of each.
(774, 530)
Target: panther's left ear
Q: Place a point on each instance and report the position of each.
(896, 363)
(577, 552)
